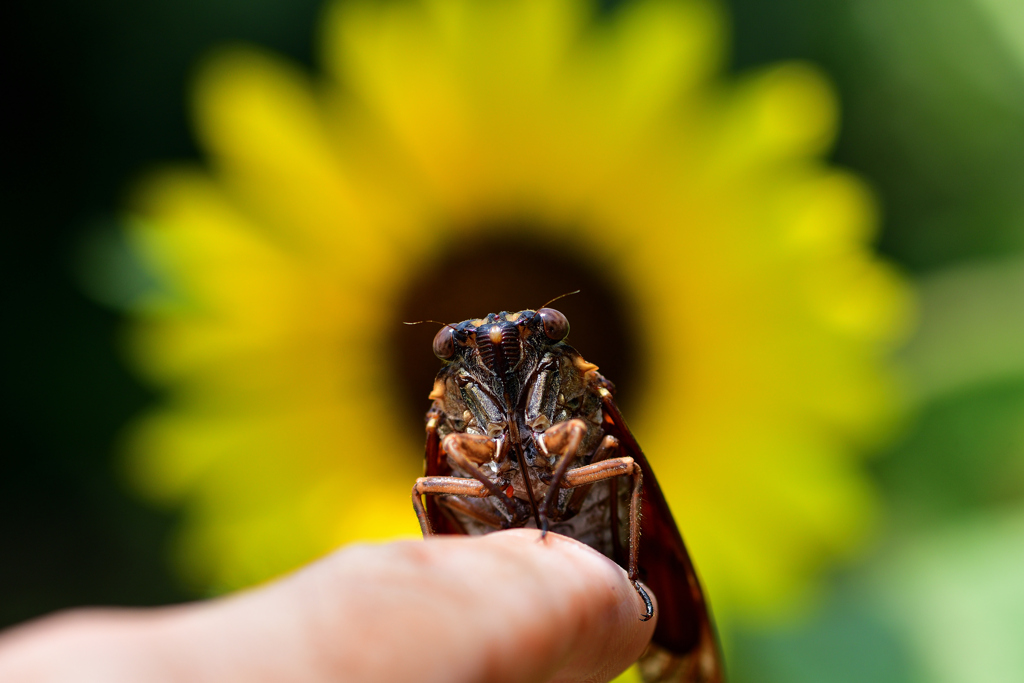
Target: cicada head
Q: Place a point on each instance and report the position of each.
(501, 348)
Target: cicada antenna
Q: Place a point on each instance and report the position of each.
(420, 322)
(560, 296)
(436, 322)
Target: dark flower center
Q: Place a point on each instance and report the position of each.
(474, 278)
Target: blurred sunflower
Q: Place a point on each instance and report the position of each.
(456, 150)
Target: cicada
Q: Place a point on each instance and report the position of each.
(523, 432)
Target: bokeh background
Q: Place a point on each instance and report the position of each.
(931, 96)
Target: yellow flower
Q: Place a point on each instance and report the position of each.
(762, 317)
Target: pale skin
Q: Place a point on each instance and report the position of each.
(504, 607)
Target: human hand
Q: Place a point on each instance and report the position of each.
(502, 607)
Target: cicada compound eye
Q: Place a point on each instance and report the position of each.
(556, 325)
(444, 343)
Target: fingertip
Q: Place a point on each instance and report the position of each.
(604, 627)
(533, 608)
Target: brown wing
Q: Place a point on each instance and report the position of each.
(684, 627)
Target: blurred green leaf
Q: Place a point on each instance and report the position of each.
(1007, 20)
(965, 453)
(966, 366)
(845, 642)
(958, 597)
(932, 95)
(939, 107)
(971, 328)
(946, 607)
(109, 270)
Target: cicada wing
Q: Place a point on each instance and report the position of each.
(684, 646)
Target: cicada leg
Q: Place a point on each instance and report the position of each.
(468, 451)
(458, 486)
(564, 440)
(479, 509)
(608, 469)
(608, 448)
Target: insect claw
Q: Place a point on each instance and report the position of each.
(647, 601)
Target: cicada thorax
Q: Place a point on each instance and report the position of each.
(559, 387)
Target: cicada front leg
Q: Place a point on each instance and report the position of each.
(609, 469)
(467, 452)
(561, 440)
(457, 486)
